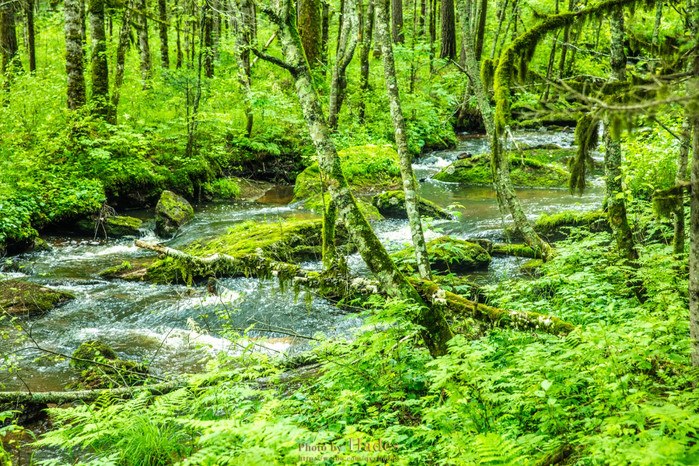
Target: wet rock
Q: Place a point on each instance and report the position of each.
(482, 242)
(392, 204)
(22, 298)
(116, 226)
(447, 254)
(171, 212)
(464, 155)
(102, 368)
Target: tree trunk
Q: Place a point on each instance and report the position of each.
(501, 19)
(436, 331)
(178, 39)
(507, 197)
(409, 183)
(74, 55)
(564, 45)
(244, 25)
(680, 179)
(31, 47)
(311, 29)
(122, 47)
(146, 64)
(397, 21)
(448, 30)
(693, 88)
(9, 60)
(162, 26)
(98, 59)
(365, 50)
(208, 30)
(616, 205)
(347, 43)
(325, 34)
(480, 32)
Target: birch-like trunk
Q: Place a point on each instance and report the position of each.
(99, 68)
(122, 47)
(75, 72)
(146, 64)
(345, 52)
(406, 167)
(436, 331)
(507, 197)
(162, 29)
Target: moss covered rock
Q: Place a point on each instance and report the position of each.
(116, 227)
(102, 368)
(116, 271)
(447, 254)
(367, 169)
(171, 212)
(527, 169)
(21, 298)
(392, 204)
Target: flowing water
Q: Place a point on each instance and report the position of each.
(175, 328)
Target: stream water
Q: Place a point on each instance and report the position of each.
(173, 327)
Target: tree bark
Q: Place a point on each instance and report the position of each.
(146, 64)
(162, 26)
(347, 43)
(311, 28)
(448, 30)
(616, 204)
(244, 26)
(680, 179)
(9, 61)
(406, 168)
(122, 47)
(564, 45)
(397, 21)
(507, 197)
(31, 42)
(98, 59)
(501, 19)
(208, 30)
(365, 50)
(480, 31)
(75, 89)
(693, 15)
(436, 331)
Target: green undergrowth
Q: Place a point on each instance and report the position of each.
(617, 390)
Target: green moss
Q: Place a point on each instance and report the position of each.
(517, 250)
(123, 226)
(171, 212)
(102, 368)
(551, 224)
(527, 170)
(366, 168)
(667, 201)
(446, 254)
(392, 204)
(114, 272)
(18, 298)
(315, 204)
(531, 267)
(222, 189)
(90, 351)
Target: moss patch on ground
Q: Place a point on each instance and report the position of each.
(532, 168)
(392, 204)
(21, 298)
(447, 254)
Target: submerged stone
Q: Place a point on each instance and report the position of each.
(447, 254)
(527, 169)
(22, 298)
(171, 212)
(392, 204)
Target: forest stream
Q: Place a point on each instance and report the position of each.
(174, 327)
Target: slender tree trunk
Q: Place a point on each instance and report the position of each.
(146, 64)
(310, 21)
(365, 50)
(397, 21)
(507, 197)
(448, 30)
(409, 183)
(122, 47)
(9, 61)
(480, 32)
(501, 19)
(207, 30)
(162, 27)
(325, 33)
(420, 22)
(433, 31)
(681, 178)
(98, 59)
(693, 15)
(244, 25)
(178, 26)
(83, 29)
(616, 205)
(436, 331)
(347, 44)
(31, 47)
(74, 55)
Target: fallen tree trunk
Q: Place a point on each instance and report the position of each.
(351, 287)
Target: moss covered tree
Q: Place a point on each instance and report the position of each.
(98, 59)
(310, 20)
(74, 55)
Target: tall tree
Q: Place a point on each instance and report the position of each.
(146, 63)
(480, 30)
(347, 43)
(681, 179)
(365, 50)
(162, 28)
(399, 130)
(397, 21)
(311, 29)
(8, 39)
(122, 47)
(74, 55)
(243, 15)
(616, 205)
(448, 30)
(208, 31)
(98, 59)
(436, 331)
(31, 39)
(693, 19)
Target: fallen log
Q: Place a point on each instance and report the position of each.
(456, 306)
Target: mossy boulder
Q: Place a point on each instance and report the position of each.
(116, 271)
(557, 226)
(392, 204)
(22, 298)
(116, 227)
(367, 168)
(102, 368)
(526, 170)
(447, 254)
(171, 212)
